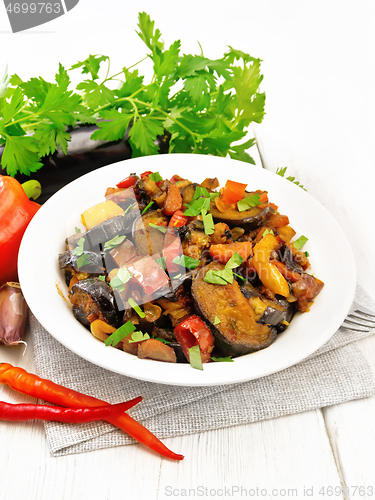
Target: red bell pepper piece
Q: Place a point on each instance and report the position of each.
(127, 182)
(233, 192)
(192, 331)
(146, 174)
(178, 219)
(16, 212)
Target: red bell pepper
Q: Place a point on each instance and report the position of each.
(193, 331)
(127, 182)
(16, 212)
(233, 192)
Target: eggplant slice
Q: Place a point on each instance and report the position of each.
(249, 220)
(68, 262)
(148, 239)
(92, 299)
(238, 332)
(118, 225)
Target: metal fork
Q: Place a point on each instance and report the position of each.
(362, 319)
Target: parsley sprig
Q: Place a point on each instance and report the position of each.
(204, 105)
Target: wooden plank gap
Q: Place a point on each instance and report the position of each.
(332, 435)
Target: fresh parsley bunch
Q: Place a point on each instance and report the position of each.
(200, 105)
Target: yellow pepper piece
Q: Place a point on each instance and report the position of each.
(100, 213)
(269, 275)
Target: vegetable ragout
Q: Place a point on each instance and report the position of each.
(176, 271)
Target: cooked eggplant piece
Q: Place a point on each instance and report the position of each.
(248, 219)
(187, 193)
(280, 318)
(148, 239)
(119, 225)
(288, 259)
(68, 262)
(238, 332)
(97, 262)
(94, 299)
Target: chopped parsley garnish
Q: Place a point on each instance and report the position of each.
(114, 242)
(156, 177)
(224, 276)
(120, 334)
(267, 231)
(208, 222)
(138, 337)
(78, 251)
(228, 359)
(216, 321)
(298, 244)
(248, 202)
(235, 261)
(135, 306)
(161, 262)
(200, 192)
(240, 277)
(185, 261)
(78, 230)
(307, 254)
(79, 248)
(163, 229)
(83, 260)
(195, 207)
(162, 340)
(147, 207)
(128, 208)
(102, 277)
(195, 357)
(122, 277)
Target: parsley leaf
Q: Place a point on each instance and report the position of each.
(228, 359)
(114, 242)
(137, 309)
(298, 244)
(185, 261)
(282, 171)
(121, 332)
(138, 337)
(226, 275)
(201, 105)
(195, 357)
(250, 201)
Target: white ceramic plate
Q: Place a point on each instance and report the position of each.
(330, 255)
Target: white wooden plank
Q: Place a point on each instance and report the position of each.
(288, 453)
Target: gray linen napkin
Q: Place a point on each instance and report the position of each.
(337, 372)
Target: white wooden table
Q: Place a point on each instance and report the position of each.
(320, 81)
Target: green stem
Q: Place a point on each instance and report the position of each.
(32, 188)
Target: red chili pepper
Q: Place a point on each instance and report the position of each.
(25, 412)
(192, 331)
(233, 192)
(16, 212)
(127, 182)
(30, 384)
